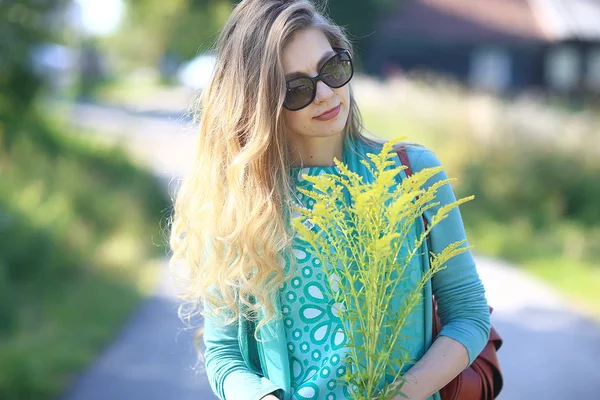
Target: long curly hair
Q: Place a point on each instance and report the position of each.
(230, 228)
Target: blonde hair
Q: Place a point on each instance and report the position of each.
(229, 228)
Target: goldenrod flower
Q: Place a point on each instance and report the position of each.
(359, 240)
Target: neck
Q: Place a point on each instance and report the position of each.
(316, 151)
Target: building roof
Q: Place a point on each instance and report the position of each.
(494, 20)
(464, 21)
(569, 19)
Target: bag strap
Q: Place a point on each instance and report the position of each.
(403, 156)
(401, 151)
(486, 363)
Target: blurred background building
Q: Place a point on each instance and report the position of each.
(504, 46)
(500, 45)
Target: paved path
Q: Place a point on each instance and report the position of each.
(551, 351)
(151, 358)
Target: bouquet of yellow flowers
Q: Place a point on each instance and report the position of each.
(360, 229)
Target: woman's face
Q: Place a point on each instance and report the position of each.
(303, 55)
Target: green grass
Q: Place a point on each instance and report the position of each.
(59, 336)
(129, 90)
(81, 239)
(579, 281)
(543, 256)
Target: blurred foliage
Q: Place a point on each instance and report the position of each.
(547, 196)
(144, 33)
(24, 25)
(182, 29)
(538, 207)
(78, 224)
(153, 28)
(359, 18)
(532, 165)
(544, 186)
(203, 19)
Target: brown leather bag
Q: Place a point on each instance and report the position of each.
(483, 379)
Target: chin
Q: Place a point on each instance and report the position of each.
(333, 127)
(327, 132)
(333, 132)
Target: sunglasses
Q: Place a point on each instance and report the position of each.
(335, 73)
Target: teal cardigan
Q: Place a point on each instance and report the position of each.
(240, 368)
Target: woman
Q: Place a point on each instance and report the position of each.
(279, 106)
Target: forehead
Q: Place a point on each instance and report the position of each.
(304, 50)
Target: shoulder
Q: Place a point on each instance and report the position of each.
(419, 156)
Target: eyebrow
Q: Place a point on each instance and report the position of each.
(324, 58)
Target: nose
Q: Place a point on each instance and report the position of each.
(324, 92)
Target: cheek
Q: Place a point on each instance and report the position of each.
(344, 94)
(298, 121)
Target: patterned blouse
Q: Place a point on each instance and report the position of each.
(313, 329)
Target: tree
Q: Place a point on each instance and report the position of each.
(152, 28)
(24, 25)
(185, 28)
(359, 18)
(198, 28)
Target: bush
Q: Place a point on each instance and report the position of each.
(532, 165)
(79, 224)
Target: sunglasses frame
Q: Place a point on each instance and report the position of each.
(319, 77)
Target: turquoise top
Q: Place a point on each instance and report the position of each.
(240, 368)
(314, 333)
(313, 329)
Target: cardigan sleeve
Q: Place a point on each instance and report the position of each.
(462, 305)
(228, 375)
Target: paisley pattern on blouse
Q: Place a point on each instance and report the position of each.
(314, 331)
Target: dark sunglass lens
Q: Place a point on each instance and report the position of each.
(299, 93)
(337, 71)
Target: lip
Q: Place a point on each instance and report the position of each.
(329, 114)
